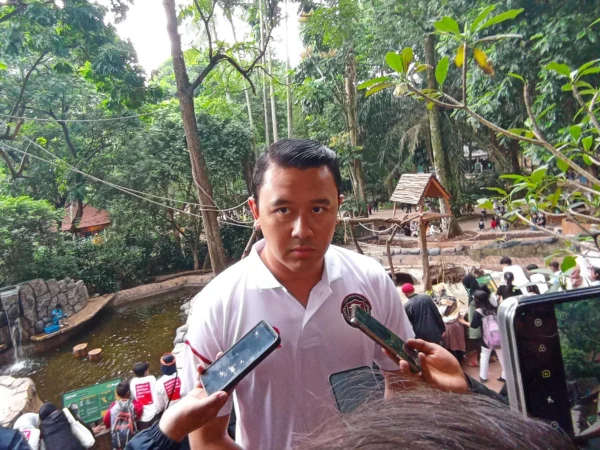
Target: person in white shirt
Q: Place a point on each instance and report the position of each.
(517, 271)
(143, 390)
(304, 287)
(168, 387)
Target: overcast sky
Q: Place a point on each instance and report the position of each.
(146, 27)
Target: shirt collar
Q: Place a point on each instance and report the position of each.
(266, 280)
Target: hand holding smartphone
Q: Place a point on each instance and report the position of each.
(384, 337)
(240, 359)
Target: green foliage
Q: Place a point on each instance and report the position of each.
(235, 240)
(25, 226)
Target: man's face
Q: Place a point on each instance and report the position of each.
(297, 213)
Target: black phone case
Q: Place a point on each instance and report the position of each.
(229, 387)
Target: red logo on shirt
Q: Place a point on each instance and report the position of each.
(173, 388)
(354, 299)
(143, 393)
(26, 434)
(277, 331)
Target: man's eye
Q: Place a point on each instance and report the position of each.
(318, 209)
(283, 210)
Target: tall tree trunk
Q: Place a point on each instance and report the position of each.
(350, 85)
(185, 94)
(288, 88)
(195, 255)
(513, 149)
(272, 93)
(264, 82)
(440, 162)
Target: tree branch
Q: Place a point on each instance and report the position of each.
(65, 130)
(587, 110)
(19, 8)
(538, 133)
(464, 75)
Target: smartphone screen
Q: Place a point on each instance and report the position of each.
(559, 353)
(240, 359)
(384, 337)
(354, 387)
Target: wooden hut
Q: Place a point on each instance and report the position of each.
(414, 188)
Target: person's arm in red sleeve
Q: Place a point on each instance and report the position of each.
(106, 418)
(138, 408)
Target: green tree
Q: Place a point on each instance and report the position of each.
(25, 226)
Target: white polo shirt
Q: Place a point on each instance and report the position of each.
(289, 391)
(143, 390)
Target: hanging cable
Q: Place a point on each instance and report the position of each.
(105, 119)
(377, 231)
(116, 186)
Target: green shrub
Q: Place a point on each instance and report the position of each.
(235, 240)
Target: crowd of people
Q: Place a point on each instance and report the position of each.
(140, 403)
(306, 288)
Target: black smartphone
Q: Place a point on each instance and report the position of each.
(553, 363)
(240, 359)
(351, 388)
(384, 337)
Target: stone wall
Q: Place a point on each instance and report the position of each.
(35, 302)
(17, 397)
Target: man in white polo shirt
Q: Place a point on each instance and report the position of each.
(304, 288)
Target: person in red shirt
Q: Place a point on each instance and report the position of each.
(494, 224)
(123, 393)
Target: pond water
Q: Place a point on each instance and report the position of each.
(141, 331)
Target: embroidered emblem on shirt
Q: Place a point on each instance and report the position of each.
(354, 299)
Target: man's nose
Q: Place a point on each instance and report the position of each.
(302, 229)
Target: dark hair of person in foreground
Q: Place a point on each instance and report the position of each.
(432, 420)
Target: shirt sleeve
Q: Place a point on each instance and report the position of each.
(106, 418)
(138, 409)
(438, 316)
(477, 320)
(159, 398)
(394, 317)
(204, 340)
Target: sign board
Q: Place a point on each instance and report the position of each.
(93, 401)
(487, 280)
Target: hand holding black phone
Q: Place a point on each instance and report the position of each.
(240, 359)
(384, 337)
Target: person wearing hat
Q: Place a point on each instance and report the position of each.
(143, 390)
(168, 387)
(424, 316)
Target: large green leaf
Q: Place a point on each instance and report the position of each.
(562, 165)
(498, 190)
(587, 142)
(482, 15)
(367, 84)
(501, 18)
(575, 131)
(441, 71)
(595, 22)
(561, 69)
(407, 58)
(3, 66)
(394, 60)
(447, 25)
(538, 174)
(377, 88)
(568, 263)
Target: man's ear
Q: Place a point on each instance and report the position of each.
(254, 208)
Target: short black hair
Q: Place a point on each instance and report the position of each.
(299, 154)
(596, 270)
(532, 266)
(123, 389)
(140, 368)
(59, 306)
(554, 265)
(506, 260)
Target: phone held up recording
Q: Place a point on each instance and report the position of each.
(384, 337)
(237, 362)
(552, 348)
